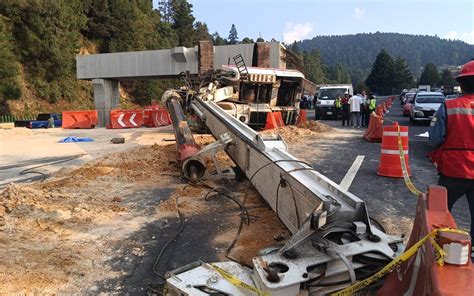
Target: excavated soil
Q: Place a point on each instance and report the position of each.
(59, 236)
(296, 134)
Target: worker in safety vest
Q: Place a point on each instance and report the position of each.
(452, 132)
(345, 108)
(338, 106)
(371, 105)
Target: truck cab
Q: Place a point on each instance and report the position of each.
(265, 90)
(326, 97)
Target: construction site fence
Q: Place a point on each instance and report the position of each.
(11, 118)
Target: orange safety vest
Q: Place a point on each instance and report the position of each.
(455, 157)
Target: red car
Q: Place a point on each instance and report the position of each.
(408, 103)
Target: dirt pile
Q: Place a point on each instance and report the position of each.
(296, 134)
(59, 236)
(56, 235)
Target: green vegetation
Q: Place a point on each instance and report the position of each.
(389, 76)
(9, 68)
(430, 75)
(44, 36)
(358, 52)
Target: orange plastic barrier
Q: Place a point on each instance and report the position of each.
(375, 129)
(155, 116)
(421, 275)
(125, 119)
(302, 117)
(160, 117)
(390, 165)
(274, 120)
(79, 119)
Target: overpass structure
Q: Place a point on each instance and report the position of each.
(107, 70)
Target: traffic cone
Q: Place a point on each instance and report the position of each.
(271, 122)
(390, 165)
(301, 118)
(278, 119)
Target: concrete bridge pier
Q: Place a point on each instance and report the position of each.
(106, 98)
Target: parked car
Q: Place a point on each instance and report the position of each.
(424, 106)
(42, 120)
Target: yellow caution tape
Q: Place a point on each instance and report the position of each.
(400, 259)
(406, 177)
(237, 282)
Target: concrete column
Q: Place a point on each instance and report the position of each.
(205, 56)
(106, 98)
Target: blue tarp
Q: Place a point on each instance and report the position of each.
(75, 139)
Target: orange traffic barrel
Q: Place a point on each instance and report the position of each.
(390, 165)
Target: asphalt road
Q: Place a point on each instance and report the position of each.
(385, 197)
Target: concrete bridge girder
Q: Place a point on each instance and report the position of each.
(106, 70)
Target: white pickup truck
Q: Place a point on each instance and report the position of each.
(327, 95)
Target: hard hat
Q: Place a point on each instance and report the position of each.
(466, 70)
(347, 93)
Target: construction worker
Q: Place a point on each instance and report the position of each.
(51, 122)
(452, 132)
(371, 105)
(345, 108)
(363, 110)
(338, 106)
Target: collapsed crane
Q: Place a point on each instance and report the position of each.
(333, 243)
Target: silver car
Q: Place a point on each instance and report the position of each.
(425, 104)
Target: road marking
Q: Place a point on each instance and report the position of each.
(131, 119)
(351, 173)
(120, 120)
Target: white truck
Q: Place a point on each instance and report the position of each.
(327, 95)
(424, 87)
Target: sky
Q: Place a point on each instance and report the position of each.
(292, 20)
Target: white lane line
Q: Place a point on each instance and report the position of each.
(351, 173)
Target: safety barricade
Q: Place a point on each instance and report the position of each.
(301, 118)
(440, 263)
(375, 129)
(79, 119)
(274, 120)
(390, 165)
(160, 117)
(125, 119)
(155, 116)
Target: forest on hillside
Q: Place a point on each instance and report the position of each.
(39, 40)
(357, 53)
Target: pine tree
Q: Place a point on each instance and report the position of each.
(233, 37)
(380, 79)
(314, 68)
(183, 22)
(202, 32)
(403, 79)
(218, 40)
(164, 7)
(430, 75)
(447, 79)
